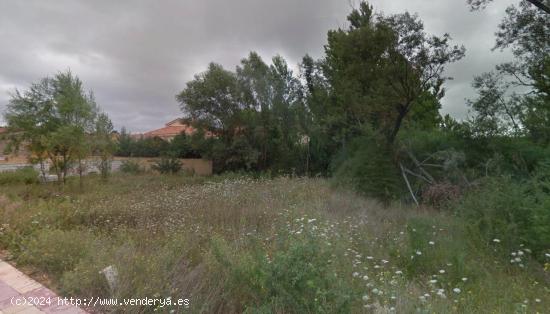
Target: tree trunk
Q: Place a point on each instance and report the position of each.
(43, 170)
(80, 172)
(402, 112)
(540, 5)
(64, 169)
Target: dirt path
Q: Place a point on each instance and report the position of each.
(23, 295)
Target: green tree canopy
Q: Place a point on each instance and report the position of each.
(54, 119)
(380, 68)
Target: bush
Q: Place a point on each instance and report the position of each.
(167, 165)
(432, 248)
(25, 175)
(516, 213)
(129, 166)
(56, 251)
(293, 279)
(369, 169)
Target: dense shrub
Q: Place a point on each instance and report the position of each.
(295, 279)
(129, 166)
(368, 167)
(515, 213)
(25, 175)
(56, 251)
(181, 146)
(167, 165)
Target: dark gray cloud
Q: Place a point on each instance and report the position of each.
(136, 55)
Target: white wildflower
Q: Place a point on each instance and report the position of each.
(456, 290)
(496, 240)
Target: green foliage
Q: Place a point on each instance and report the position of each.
(500, 107)
(25, 175)
(103, 144)
(368, 167)
(54, 119)
(516, 213)
(295, 279)
(237, 244)
(149, 147)
(381, 68)
(184, 146)
(257, 114)
(124, 144)
(432, 248)
(56, 251)
(197, 145)
(167, 166)
(130, 166)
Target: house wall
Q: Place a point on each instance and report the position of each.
(20, 158)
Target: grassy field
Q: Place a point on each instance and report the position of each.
(236, 244)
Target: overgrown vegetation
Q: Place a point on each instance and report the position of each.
(462, 212)
(25, 175)
(59, 124)
(234, 244)
(130, 166)
(167, 166)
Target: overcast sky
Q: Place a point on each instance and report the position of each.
(137, 55)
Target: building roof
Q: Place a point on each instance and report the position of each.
(172, 129)
(3, 129)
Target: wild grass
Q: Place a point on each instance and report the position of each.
(236, 244)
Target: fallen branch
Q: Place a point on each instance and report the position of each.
(420, 166)
(417, 175)
(408, 184)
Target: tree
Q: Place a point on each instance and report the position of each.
(498, 111)
(124, 144)
(518, 91)
(254, 113)
(542, 5)
(103, 144)
(53, 119)
(214, 100)
(380, 68)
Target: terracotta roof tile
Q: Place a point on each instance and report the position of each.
(171, 131)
